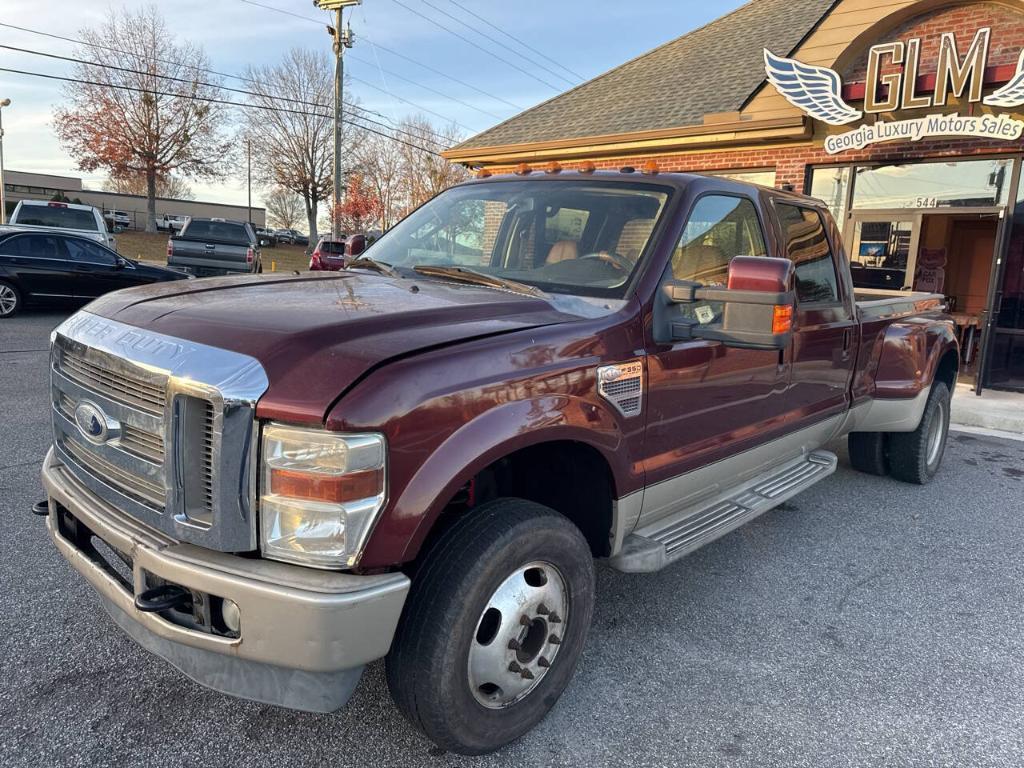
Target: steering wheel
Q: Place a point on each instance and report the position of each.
(620, 263)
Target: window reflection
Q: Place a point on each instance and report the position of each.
(967, 183)
(830, 186)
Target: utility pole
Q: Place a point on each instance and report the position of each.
(248, 173)
(3, 189)
(342, 38)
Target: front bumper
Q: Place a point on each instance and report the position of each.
(305, 634)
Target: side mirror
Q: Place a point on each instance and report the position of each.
(757, 306)
(355, 245)
(120, 263)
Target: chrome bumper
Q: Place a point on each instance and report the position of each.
(305, 634)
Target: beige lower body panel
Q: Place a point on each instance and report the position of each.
(305, 634)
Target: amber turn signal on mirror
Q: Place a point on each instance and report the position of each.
(782, 318)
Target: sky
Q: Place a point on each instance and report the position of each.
(558, 43)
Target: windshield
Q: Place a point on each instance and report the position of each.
(573, 236)
(57, 216)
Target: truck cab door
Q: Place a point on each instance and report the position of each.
(707, 401)
(826, 332)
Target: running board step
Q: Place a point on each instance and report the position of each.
(653, 547)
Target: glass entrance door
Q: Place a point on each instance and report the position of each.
(883, 249)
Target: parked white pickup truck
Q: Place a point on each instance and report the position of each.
(82, 220)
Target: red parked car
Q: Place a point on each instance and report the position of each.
(328, 256)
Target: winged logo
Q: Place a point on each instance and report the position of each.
(815, 90)
(1011, 94)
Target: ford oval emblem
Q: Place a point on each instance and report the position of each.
(94, 424)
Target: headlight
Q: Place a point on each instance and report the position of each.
(321, 493)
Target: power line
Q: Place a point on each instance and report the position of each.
(393, 52)
(216, 85)
(465, 39)
(506, 46)
(193, 67)
(210, 100)
(367, 83)
(510, 36)
(209, 71)
(420, 85)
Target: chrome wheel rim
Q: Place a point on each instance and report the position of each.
(8, 300)
(936, 430)
(518, 635)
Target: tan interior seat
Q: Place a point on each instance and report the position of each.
(563, 250)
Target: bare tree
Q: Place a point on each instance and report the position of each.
(296, 139)
(169, 186)
(284, 208)
(427, 173)
(135, 120)
(381, 165)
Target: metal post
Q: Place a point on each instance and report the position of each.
(339, 74)
(248, 174)
(3, 187)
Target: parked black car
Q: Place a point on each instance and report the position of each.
(266, 237)
(292, 237)
(49, 267)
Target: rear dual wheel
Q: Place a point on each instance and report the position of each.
(493, 626)
(913, 457)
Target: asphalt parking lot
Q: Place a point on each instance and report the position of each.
(865, 623)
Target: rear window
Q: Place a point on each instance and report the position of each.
(333, 247)
(221, 231)
(57, 216)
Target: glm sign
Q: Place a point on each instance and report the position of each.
(818, 92)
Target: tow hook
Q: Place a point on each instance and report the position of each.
(163, 598)
(41, 508)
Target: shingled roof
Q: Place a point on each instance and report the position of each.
(715, 68)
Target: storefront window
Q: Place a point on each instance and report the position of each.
(765, 178)
(830, 185)
(958, 184)
(1006, 364)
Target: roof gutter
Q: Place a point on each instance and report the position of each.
(694, 137)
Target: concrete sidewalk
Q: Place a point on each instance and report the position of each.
(996, 411)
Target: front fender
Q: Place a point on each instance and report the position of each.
(480, 442)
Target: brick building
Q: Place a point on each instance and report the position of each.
(905, 116)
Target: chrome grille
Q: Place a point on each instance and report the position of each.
(142, 443)
(161, 428)
(125, 480)
(206, 471)
(117, 385)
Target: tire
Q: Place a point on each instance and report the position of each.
(10, 299)
(452, 670)
(869, 452)
(915, 457)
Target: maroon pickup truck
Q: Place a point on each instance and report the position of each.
(275, 480)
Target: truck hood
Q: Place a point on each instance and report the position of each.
(318, 334)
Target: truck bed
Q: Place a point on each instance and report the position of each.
(875, 304)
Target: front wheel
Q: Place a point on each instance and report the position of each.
(493, 626)
(914, 457)
(10, 300)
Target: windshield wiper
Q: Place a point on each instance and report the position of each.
(365, 262)
(477, 278)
